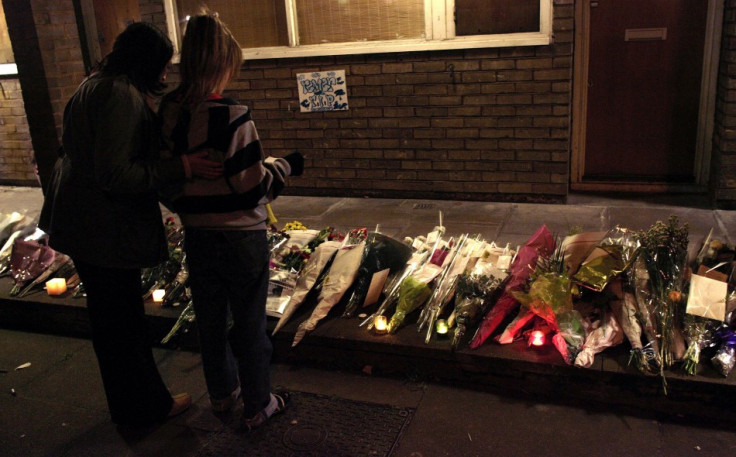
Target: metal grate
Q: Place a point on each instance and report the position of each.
(317, 426)
(423, 206)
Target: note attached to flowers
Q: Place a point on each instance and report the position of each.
(707, 298)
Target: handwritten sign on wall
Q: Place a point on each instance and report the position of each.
(322, 91)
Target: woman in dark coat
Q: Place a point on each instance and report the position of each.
(105, 214)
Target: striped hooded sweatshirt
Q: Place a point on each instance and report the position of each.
(225, 128)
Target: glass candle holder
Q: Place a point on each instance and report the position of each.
(380, 324)
(56, 286)
(536, 338)
(441, 327)
(158, 295)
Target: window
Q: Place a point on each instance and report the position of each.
(7, 59)
(297, 28)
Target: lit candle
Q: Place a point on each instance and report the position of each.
(536, 338)
(56, 286)
(380, 324)
(158, 295)
(441, 327)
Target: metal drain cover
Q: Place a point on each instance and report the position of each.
(316, 426)
(304, 437)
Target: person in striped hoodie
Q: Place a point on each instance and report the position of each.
(225, 220)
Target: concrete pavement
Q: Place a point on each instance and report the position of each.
(56, 407)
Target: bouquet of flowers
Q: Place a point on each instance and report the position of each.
(611, 256)
(541, 244)
(308, 278)
(177, 291)
(28, 260)
(11, 223)
(62, 267)
(725, 357)
(393, 287)
(473, 297)
(27, 233)
(600, 333)
(413, 293)
(706, 306)
(299, 246)
(699, 333)
(444, 288)
(382, 256)
(415, 290)
(160, 276)
(423, 249)
(664, 254)
(549, 296)
(624, 307)
(342, 274)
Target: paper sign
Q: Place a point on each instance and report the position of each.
(322, 91)
(707, 298)
(376, 287)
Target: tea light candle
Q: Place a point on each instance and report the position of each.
(536, 338)
(56, 286)
(380, 324)
(158, 295)
(441, 327)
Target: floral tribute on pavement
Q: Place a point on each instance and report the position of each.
(581, 292)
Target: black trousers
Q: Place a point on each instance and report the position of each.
(136, 394)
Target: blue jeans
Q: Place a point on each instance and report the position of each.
(228, 273)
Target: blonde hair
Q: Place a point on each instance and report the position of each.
(210, 55)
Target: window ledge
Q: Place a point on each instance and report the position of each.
(379, 47)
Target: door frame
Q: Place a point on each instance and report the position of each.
(706, 111)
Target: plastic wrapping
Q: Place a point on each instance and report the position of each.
(342, 274)
(382, 254)
(608, 259)
(28, 260)
(444, 288)
(605, 333)
(393, 288)
(540, 244)
(298, 247)
(725, 357)
(413, 293)
(308, 278)
(474, 293)
(664, 254)
(550, 298)
(699, 333)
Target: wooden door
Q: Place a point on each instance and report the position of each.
(644, 74)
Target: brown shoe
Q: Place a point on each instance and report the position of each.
(223, 405)
(182, 402)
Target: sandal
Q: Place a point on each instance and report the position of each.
(281, 400)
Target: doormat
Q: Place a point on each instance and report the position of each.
(317, 426)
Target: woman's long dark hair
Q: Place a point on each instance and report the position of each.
(141, 52)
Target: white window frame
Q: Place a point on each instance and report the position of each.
(439, 35)
(8, 69)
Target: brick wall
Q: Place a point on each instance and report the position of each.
(16, 151)
(486, 124)
(723, 181)
(50, 66)
(153, 11)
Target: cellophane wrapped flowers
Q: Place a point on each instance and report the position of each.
(663, 250)
(474, 293)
